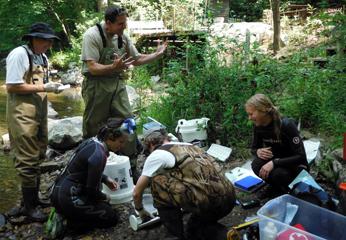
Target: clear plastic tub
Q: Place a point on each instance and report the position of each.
(318, 223)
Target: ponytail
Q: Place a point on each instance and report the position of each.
(115, 128)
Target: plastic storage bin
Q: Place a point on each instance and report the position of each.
(318, 223)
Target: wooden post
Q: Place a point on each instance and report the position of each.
(276, 23)
(173, 19)
(344, 152)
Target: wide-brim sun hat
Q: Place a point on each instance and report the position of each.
(40, 30)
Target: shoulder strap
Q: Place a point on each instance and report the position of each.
(102, 35)
(29, 56)
(167, 148)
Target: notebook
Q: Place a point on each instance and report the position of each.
(248, 183)
(219, 152)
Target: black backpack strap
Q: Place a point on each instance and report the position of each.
(102, 35)
(29, 56)
(45, 63)
(120, 42)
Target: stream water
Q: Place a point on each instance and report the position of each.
(10, 187)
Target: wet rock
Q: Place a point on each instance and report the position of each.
(65, 134)
(338, 154)
(306, 134)
(133, 96)
(72, 76)
(337, 166)
(18, 220)
(51, 112)
(72, 94)
(2, 220)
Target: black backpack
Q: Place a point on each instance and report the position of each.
(313, 195)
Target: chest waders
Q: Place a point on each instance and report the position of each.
(27, 124)
(106, 97)
(196, 184)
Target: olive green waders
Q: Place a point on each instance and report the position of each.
(27, 125)
(106, 97)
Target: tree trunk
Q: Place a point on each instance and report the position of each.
(50, 7)
(276, 23)
(102, 5)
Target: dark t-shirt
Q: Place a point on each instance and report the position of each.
(287, 148)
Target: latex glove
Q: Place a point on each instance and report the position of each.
(52, 87)
(144, 214)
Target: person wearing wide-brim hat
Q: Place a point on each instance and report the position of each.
(27, 86)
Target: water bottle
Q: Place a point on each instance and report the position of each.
(269, 232)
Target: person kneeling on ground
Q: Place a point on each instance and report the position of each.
(76, 194)
(183, 178)
(278, 150)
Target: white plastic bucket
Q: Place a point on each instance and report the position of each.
(119, 168)
(193, 130)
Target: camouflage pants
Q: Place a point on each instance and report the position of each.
(169, 192)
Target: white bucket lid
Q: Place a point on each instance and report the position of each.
(117, 159)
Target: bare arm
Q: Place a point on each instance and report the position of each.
(119, 64)
(142, 183)
(24, 88)
(147, 58)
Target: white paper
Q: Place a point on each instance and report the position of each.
(311, 149)
(239, 173)
(219, 152)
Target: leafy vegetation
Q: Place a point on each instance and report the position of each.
(212, 80)
(212, 88)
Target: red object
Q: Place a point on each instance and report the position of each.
(342, 186)
(293, 235)
(344, 155)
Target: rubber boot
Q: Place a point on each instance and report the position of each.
(40, 202)
(30, 205)
(172, 219)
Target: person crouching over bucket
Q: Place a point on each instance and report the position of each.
(183, 178)
(76, 194)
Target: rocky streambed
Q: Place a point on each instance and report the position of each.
(20, 229)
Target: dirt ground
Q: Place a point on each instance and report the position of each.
(123, 229)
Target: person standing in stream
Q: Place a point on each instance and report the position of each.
(27, 86)
(106, 54)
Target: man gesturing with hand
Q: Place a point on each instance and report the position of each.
(106, 54)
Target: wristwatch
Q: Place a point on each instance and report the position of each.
(139, 209)
(275, 161)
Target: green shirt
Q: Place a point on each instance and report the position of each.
(92, 47)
